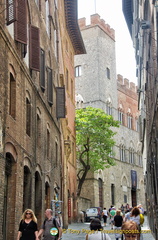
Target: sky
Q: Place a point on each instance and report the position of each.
(111, 12)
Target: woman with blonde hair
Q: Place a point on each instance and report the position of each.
(28, 226)
(130, 230)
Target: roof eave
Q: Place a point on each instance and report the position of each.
(73, 27)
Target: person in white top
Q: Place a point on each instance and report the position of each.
(105, 215)
(97, 234)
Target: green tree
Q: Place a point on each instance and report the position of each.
(94, 141)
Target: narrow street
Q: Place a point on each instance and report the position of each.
(78, 231)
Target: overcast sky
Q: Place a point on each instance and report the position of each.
(111, 12)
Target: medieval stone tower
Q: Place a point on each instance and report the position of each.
(98, 85)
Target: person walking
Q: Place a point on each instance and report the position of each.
(112, 215)
(135, 216)
(105, 215)
(28, 226)
(118, 220)
(97, 234)
(50, 227)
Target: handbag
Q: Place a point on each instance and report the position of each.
(141, 218)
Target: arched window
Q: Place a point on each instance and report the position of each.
(78, 71)
(48, 141)
(109, 106)
(136, 124)
(12, 97)
(129, 119)
(122, 153)
(131, 155)
(28, 116)
(38, 128)
(139, 156)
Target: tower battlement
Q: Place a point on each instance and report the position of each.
(126, 84)
(96, 20)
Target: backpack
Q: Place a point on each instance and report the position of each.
(54, 223)
(141, 218)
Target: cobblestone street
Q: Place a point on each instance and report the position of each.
(77, 231)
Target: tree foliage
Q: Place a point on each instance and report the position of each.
(94, 140)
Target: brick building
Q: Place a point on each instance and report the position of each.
(142, 21)
(33, 138)
(98, 86)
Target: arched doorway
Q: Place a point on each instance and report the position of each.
(47, 195)
(27, 189)
(38, 196)
(9, 197)
(100, 183)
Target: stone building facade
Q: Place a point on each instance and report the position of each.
(142, 21)
(98, 86)
(33, 139)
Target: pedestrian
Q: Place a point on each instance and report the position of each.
(112, 215)
(141, 208)
(135, 216)
(81, 216)
(130, 230)
(50, 227)
(97, 234)
(122, 209)
(105, 215)
(118, 220)
(127, 214)
(28, 226)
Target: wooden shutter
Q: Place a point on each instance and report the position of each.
(60, 102)
(11, 11)
(21, 23)
(50, 86)
(34, 48)
(42, 69)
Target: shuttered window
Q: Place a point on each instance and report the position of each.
(11, 11)
(50, 86)
(60, 102)
(12, 100)
(42, 69)
(21, 23)
(28, 117)
(34, 48)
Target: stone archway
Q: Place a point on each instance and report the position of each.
(27, 188)
(9, 196)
